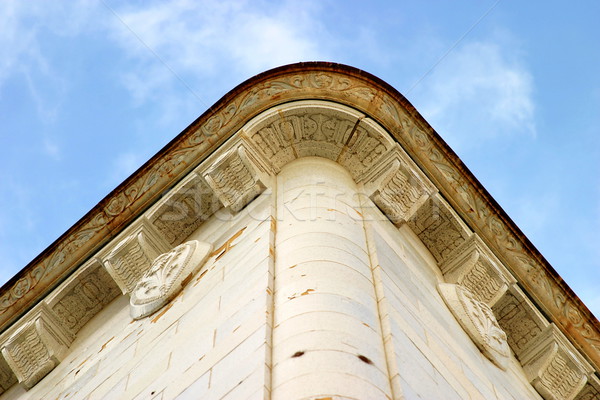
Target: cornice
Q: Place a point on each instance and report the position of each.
(315, 80)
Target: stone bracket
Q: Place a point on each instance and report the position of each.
(554, 367)
(234, 178)
(36, 346)
(475, 267)
(135, 250)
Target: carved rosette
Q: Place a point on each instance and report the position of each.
(554, 367)
(184, 209)
(439, 227)
(478, 320)
(36, 347)
(234, 179)
(167, 276)
(132, 256)
(475, 267)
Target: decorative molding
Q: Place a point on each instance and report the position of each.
(325, 81)
(519, 318)
(133, 254)
(554, 367)
(475, 267)
(234, 179)
(167, 277)
(183, 209)
(35, 347)
(477, 319)
(439, 227)
(397, 186)
(82, 296)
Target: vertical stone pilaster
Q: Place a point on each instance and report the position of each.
(327, 339)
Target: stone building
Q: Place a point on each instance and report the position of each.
(308, 237)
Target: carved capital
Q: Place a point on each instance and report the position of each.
(134, 252)
(184, 209)
(519, 318)
(36, 346)
(234, 178)
(475, 267)
(82, 296)
(554, 367)
(168, 275)
(439, 227)
(477, 319)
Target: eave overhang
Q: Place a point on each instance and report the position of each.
(311, 80)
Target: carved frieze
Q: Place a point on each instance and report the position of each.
(478, 320)
(234, 178)
(184, 209)
(133, 253)
(554, 367)
(83, 295)
(439, 227)
(475, 267)
(167, 276)
(519, 318)
(36, 346)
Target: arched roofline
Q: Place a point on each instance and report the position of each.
(309, 81)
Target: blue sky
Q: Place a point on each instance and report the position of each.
(89, 90)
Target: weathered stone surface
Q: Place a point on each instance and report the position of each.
(439, 227)
(591, 390)
(475, 267)
(129, 256)
(183, 209)
(36, 346)
(7, 376)
(477, 319)
(554, 367)
(519, 318)
(83, 295)
(168, 274)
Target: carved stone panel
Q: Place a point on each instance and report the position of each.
(134, 252)
(475, 267)
(184, 209)
(168, 275)
(554, 367)
(7, 377)
(83, 295)
(439, 227)
(35, 347)
(397, 186)
(478, 320)
(519, 318)
(234, 179)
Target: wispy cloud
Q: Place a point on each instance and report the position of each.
(480, 91)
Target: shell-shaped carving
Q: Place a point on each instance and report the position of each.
(167, 276)
(478, 320)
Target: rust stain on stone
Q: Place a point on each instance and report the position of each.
(227, 245)
(105, 344)
(162, 312)
(200, 277)
(294, 266)
(307, 291)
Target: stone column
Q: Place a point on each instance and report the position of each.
(327, 338)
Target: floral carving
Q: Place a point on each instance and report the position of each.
(167, 276)
(478, 320)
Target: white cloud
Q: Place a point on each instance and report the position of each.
(203, 39)
(481, 90)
